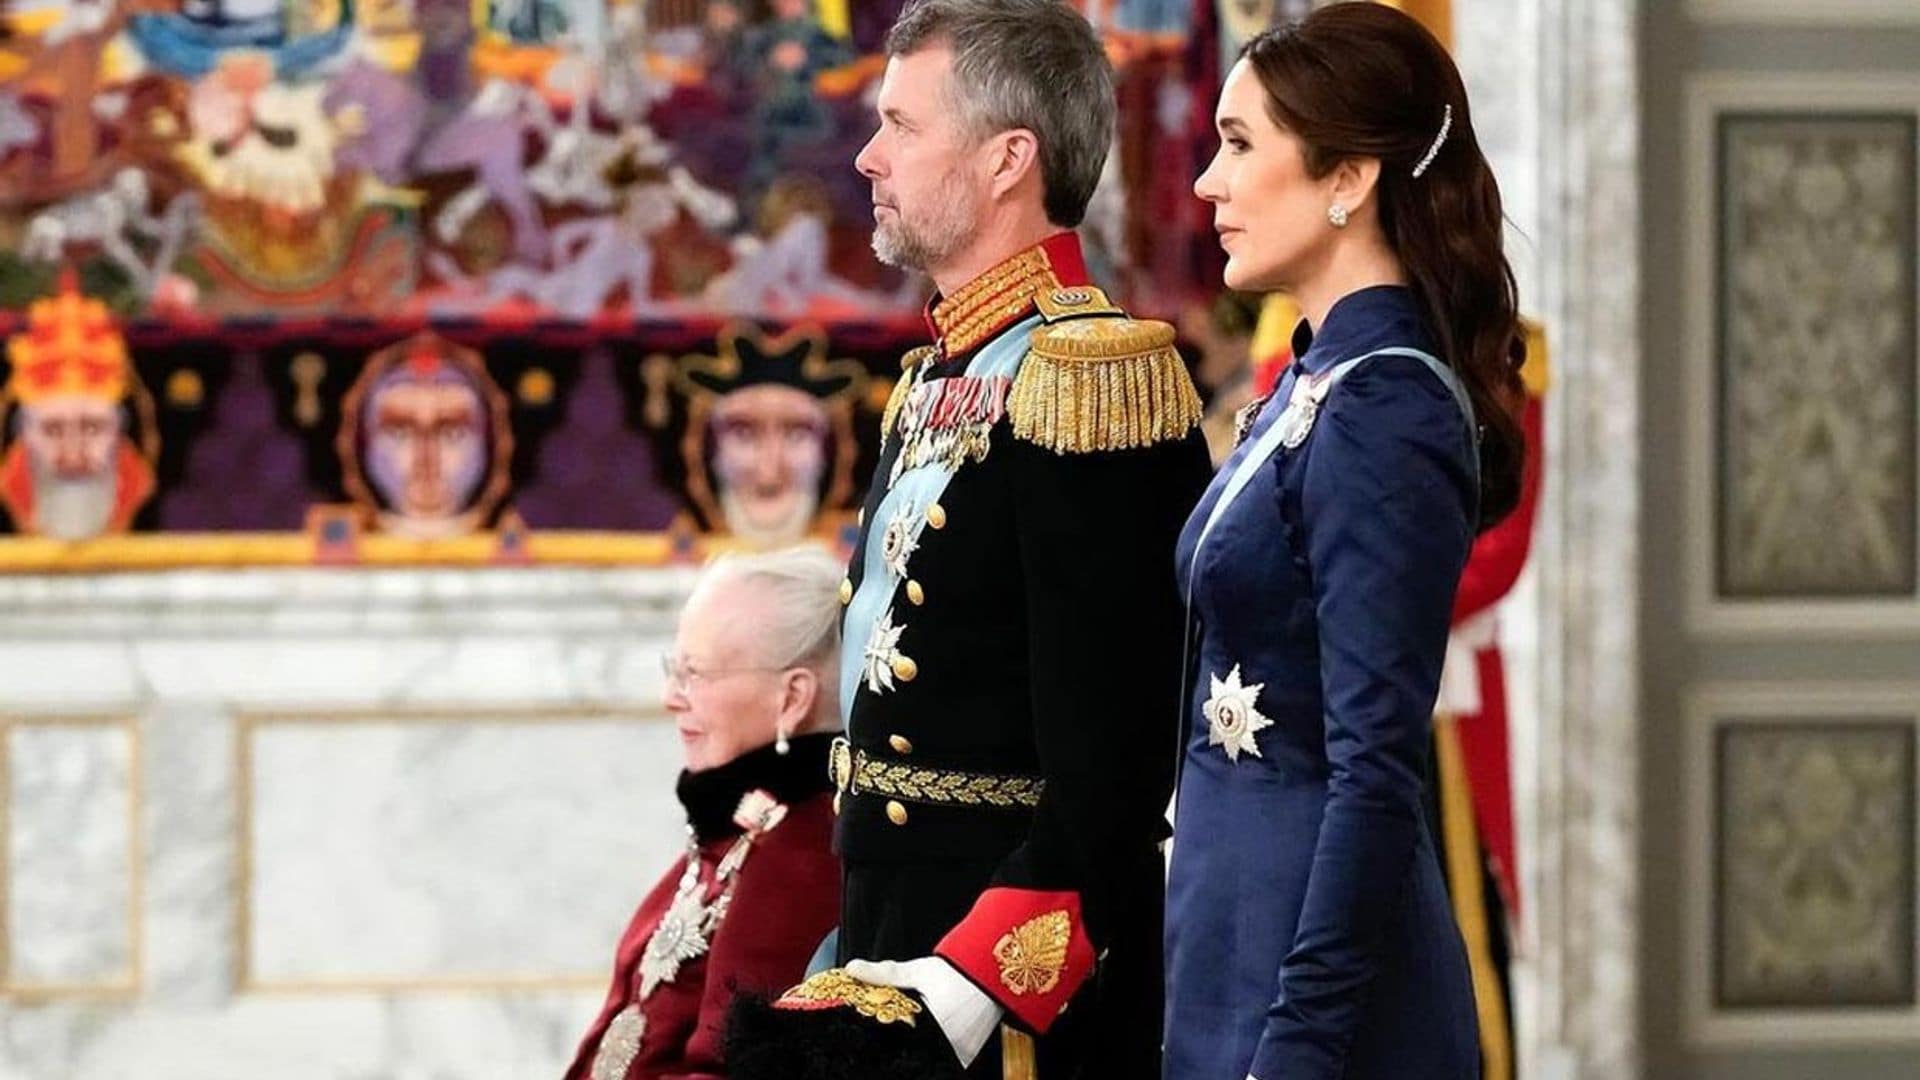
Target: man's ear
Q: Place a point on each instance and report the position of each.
(1012, 156)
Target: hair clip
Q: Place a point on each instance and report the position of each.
(1446, 125)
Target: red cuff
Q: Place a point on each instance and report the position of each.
(1026, 948)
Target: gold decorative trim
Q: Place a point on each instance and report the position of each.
(1080, 301)
(1103, 384)
(179, 551)
(913, 359)
(127, 986)
(857, 772)
(834, 988)
(248, 724)
(1033, 954)
(978, 309)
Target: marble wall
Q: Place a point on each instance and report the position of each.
(327, 825)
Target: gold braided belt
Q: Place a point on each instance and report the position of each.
(858, 772)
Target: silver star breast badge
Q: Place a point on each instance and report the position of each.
(620, 1045)
(680, 938)
(881, 645)
(898, 542)
(1231, 717)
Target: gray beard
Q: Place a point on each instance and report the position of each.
(953, 227)
(790, 529)
(73, 509)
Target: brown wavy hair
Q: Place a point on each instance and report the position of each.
(1359, 80)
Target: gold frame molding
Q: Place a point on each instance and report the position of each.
(128, 985)
(248, 724)
(178, 551)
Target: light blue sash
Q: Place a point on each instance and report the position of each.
(910, 494)
(1271, 438)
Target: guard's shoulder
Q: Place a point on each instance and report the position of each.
(1533, 371)
(1096, 379)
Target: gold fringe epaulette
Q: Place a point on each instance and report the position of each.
(899, 395)
(1102, 384)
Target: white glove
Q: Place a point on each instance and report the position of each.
(967, 1017)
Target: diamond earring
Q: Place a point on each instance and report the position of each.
(1337, 214)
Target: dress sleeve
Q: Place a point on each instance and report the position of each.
(1386, 502)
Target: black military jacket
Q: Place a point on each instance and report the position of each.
(1013, 640)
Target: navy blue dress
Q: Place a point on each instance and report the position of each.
(1308, 932)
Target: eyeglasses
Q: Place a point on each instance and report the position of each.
(683, 675)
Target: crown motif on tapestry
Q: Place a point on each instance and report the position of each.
(70, 347)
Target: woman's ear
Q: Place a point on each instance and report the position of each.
(1354, 181)
(799, 690)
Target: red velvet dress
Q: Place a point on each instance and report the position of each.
(785, 900)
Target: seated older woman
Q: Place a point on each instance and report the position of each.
(751, 684)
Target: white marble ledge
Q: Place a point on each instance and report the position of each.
(327, 602)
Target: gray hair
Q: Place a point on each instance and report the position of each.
(802, 585)
(1033, 64)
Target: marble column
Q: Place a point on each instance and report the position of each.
(1555, 90)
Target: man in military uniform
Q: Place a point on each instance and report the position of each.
(1011, 675)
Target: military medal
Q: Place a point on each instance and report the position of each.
(1303, 408)
(684, 934)
(949, 422)
(884, 663)
(621, 1044)
(1243, 420)
(1231, 716)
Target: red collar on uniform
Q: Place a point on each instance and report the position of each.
(980, 309)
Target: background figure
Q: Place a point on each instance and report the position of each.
(750, 686)
(770, 450)
(1473, 791)
(770, 441)
(72, 471)
(426, 443)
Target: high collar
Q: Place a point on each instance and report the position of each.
(980, 309)
(711, 796)
(1360, 322)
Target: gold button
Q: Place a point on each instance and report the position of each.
(896, 813)
(904, 668)
(916, 594)
(860, 518)
(900, 744)
(937, 516)
(846, 591)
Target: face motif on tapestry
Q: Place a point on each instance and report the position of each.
(770, 451)
(71, 444)
(71, 472)
(427, 439)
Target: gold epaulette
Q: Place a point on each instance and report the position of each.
(899, 395)
(1102, 383)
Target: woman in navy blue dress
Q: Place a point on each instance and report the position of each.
(1308, 931)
